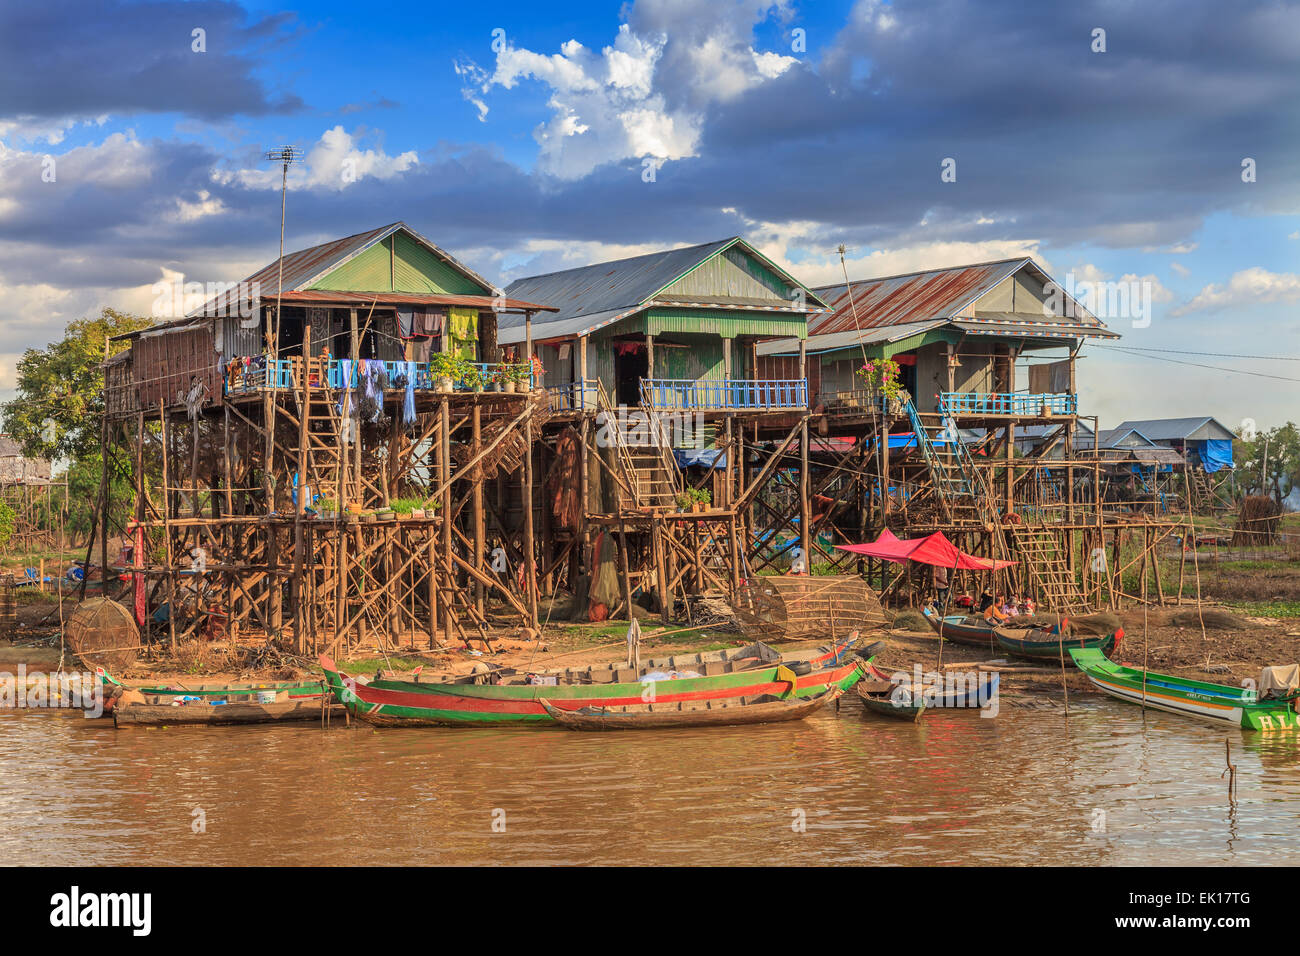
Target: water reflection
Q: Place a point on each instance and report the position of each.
(1111, 786)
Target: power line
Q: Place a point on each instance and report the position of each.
(1136, 348)
(1214, 368)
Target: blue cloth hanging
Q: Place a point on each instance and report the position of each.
(408, 401)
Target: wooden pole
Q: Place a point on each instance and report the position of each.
(530, 547)
(480, 543)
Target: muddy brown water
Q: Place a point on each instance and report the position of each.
(846, 787)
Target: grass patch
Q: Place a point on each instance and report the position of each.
(1280, 609)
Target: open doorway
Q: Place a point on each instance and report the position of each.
(631, 364)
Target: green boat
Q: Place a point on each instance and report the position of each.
(1036, 644)
(409, 703)
(1218, 703)
(300, 691)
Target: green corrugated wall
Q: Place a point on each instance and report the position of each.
(399, 264)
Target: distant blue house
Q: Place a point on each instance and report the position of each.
(1204, 441)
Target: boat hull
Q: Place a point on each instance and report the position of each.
(1216, 703)
(697, 715)
(469, 705)
(952, 628)
(885, 703)
(157, 715)
(1035, 644)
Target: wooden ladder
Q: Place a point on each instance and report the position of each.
(1046, 565)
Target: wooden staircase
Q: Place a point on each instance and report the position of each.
(1046, 565)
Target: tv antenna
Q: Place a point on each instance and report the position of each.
(286, 156)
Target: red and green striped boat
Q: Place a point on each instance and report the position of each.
(409, 703)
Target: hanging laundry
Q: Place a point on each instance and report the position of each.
(408, 400)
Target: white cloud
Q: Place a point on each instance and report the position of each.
(334, 162)
(643, 96)
(825, 269)
(1179, 269)
(1251, 286)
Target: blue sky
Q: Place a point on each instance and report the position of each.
(531, 155)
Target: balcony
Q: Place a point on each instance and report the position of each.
(730, 394)
(574, 396)
(1023, 404)
(342, 373)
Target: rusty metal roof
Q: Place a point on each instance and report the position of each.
(937, 294)
(305, 266)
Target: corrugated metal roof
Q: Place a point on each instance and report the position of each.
(1171, 429)
(591, 296)
(305, 266)
(842, 340)
(485, 302)
(1020, 325)
(936, 294)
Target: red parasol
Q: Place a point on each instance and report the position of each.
(932, 549)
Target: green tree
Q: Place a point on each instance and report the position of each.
(1282, 471)
(60, 398)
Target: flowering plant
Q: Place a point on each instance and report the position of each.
(881, 375)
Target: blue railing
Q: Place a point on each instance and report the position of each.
(574, 396)
(1008, 403)
(724, 394)
(282, 373)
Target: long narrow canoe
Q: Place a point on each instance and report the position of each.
(729, 712)
(882, 693)
(155, 715)
(960, 629)
(406, 703)
(1038, 644)
(1218, 703)
(237, 691)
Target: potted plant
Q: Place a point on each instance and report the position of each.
(537, 372)
(443, 369)
(406, 507)
(328, 508)
(470, 376)
(510, 376)
(684, 501)
(701, 499)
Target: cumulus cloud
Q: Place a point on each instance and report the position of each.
(1253, 286)
(335, 161)
(645, 95)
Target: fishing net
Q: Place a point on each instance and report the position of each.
(799, 607)
(103, 634)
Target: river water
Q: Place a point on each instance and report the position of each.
(1106, 787)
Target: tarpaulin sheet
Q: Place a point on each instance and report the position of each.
(1216, 453)
(932, 549)
(705, 457)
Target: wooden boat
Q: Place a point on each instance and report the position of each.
(411, 703)
(220, 714)
(960, 629)
(727, 712)
(1038, 644)
(237, 691)
(972, 631)
(1218, 703)
(906, 700)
